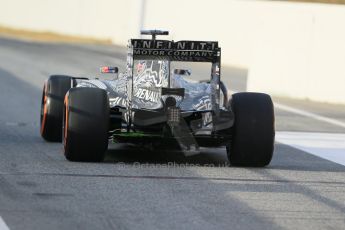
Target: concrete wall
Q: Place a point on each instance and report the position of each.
(107, 19)
(289, 49)
(299, 52)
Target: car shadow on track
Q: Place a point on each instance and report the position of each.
(285, 158)
(293, 159)
(130, 154)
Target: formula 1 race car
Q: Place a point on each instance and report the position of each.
(156, 103)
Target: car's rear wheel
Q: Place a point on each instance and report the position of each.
(54, 91)
(86, 124)
(253, 132)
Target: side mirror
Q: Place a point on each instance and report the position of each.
(109, 69)
(185, 72)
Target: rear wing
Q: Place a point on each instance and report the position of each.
(194, 51)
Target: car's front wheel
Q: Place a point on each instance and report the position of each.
(54, 91)
(252, 143)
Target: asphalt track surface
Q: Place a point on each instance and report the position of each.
(137, 189)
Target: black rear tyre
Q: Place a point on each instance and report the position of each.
(54, 91)
(86, 124)
(253, 132)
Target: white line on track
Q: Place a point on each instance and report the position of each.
(330, 146)
(3, 225)
(308, 114)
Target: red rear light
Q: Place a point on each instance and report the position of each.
(108, 69)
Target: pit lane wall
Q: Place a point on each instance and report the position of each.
(290, 49)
